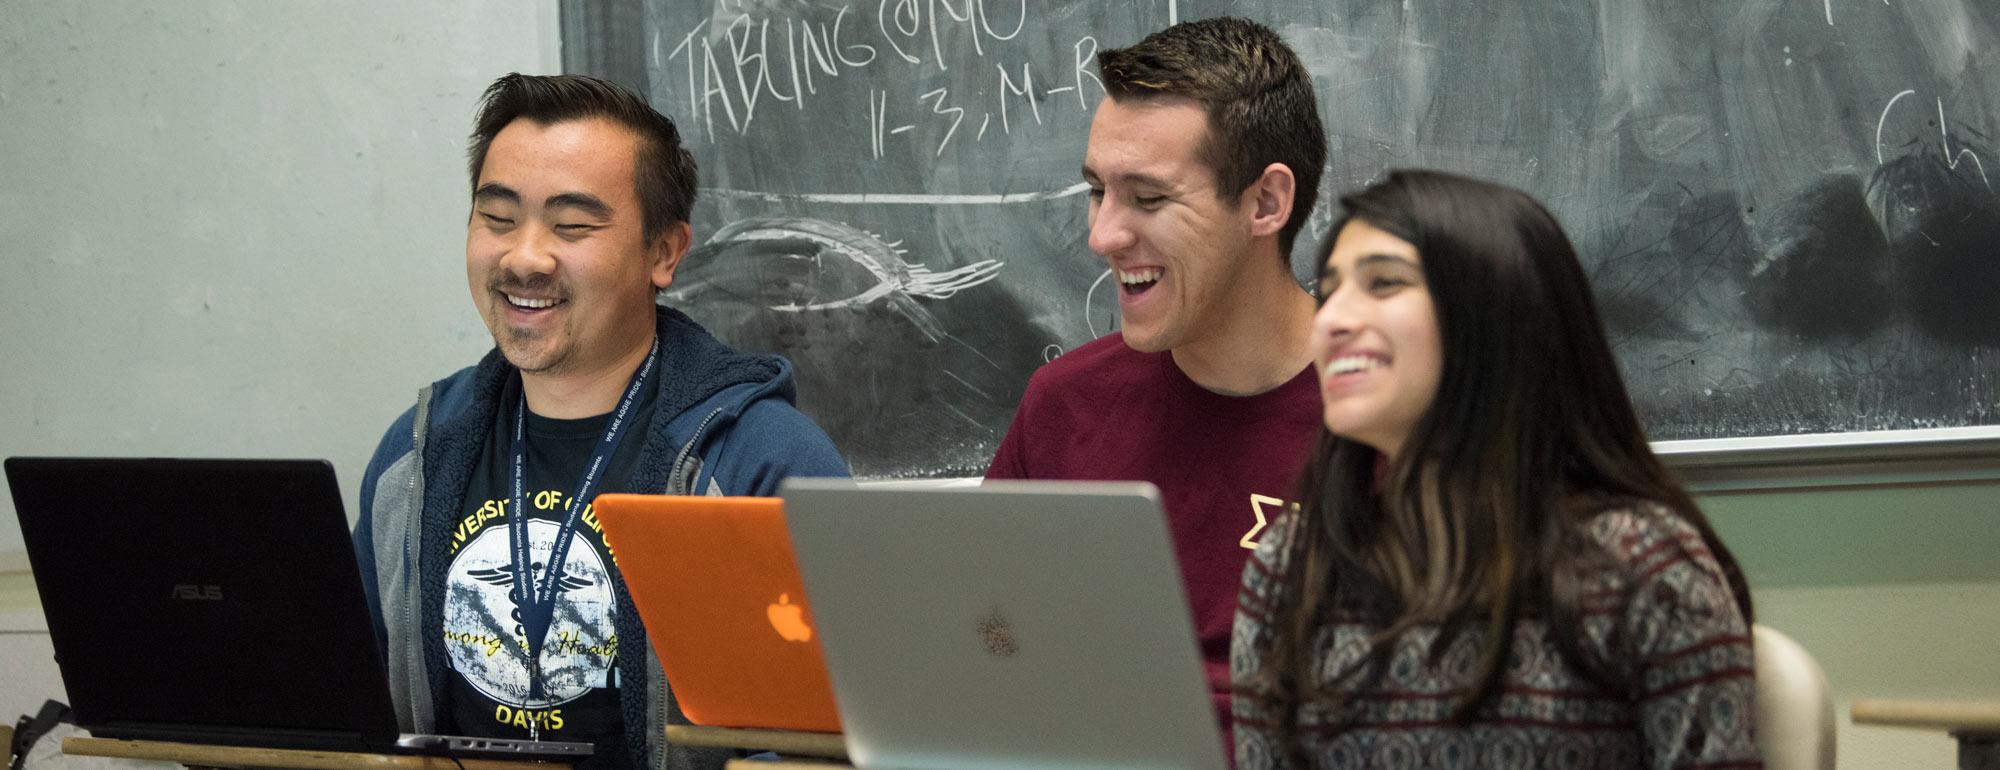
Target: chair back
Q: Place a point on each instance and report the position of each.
(1794, 705)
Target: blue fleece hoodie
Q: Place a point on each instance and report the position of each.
(723, 424)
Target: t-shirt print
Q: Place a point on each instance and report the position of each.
(485, 639)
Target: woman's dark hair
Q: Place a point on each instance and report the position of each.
(1479, 519)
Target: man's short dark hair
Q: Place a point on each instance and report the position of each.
(1258, 97)
(664, 174)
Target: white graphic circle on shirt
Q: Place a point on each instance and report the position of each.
(483, 634)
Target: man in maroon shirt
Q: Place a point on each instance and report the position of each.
(1204, 162)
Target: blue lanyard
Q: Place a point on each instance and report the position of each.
(537, 601)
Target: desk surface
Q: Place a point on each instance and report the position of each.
(241, 756)
(785, 764)
(781, 741)
(1955, 716)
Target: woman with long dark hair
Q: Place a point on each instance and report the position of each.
(1489, 567)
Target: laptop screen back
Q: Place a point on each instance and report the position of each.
(1016, 624)
(717, 588)
(213, 597)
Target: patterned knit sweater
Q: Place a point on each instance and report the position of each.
(1680, 628)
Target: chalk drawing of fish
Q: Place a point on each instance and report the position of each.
(800, 264)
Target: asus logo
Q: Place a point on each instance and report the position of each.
(195, 593)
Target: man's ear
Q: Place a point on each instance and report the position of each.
(666, 252)
(1271, 200)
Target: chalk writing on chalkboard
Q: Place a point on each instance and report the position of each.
(1788, 209)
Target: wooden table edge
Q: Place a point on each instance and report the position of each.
(785, 764)
(830, 745)
(292, 759)
(1970, 717)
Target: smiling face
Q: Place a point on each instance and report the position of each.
(1177, 250)
(1375, 339)
(555, 252)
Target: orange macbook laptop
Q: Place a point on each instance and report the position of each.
(721, 598)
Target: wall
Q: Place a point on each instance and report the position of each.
(236, 229)
(1894, 590)
(231, 229)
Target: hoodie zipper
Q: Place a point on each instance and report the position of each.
(680, 460)
(653, 672)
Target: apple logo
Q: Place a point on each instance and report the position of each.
(789, 620)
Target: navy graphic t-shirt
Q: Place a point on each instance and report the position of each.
(485, 643)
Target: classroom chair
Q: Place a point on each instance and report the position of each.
(1794, 705)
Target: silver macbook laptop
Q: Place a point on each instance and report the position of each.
(1017, 625)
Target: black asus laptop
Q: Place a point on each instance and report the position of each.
(215, 601)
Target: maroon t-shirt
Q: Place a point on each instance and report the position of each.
(1225, 465)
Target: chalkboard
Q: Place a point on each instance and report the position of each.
(1786, 206)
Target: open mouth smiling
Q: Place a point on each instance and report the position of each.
(1139, 280)
(530, 304)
